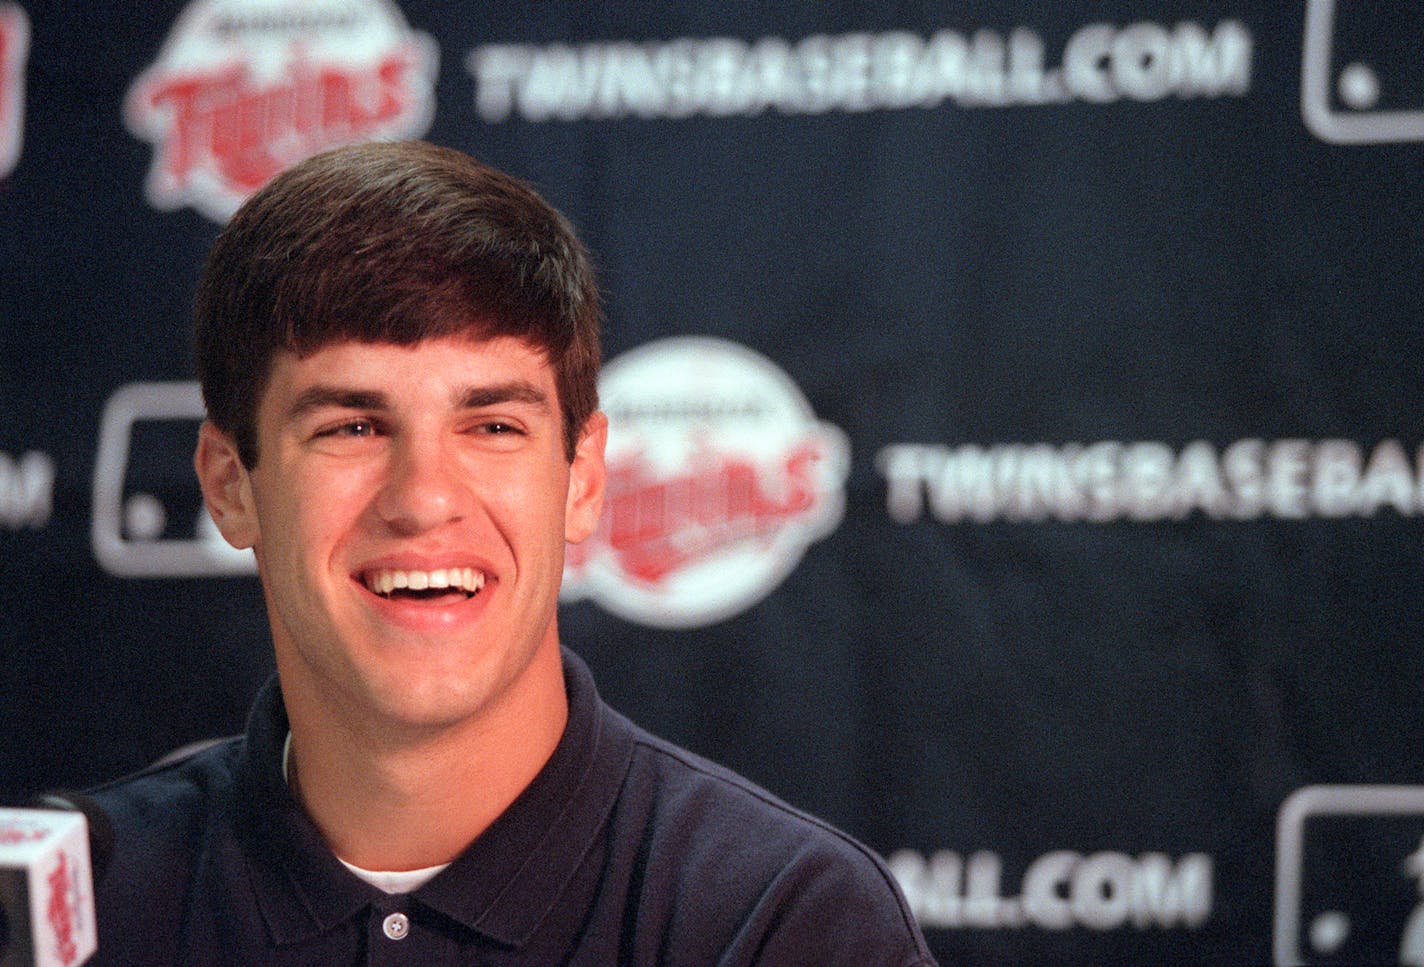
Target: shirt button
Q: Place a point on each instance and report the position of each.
(396, 926)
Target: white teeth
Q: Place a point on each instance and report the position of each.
(465, 579)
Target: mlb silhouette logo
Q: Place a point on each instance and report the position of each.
(1350, 876)
(149, 520)
(1362, 77)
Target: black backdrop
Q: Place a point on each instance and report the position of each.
(1037, 496)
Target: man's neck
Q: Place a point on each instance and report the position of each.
(419, 801)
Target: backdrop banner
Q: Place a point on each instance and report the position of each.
(1015, 457)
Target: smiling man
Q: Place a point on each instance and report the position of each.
(398, 348)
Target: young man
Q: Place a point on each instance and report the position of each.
(398, 348)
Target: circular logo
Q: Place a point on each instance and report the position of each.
(719, 478)
(245, 88)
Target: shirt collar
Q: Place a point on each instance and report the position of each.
(510, 878)
(502, 886)
(388, 881)
(301, 887)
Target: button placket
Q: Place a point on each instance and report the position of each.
(396, 926)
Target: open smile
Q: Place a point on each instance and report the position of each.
(456, 582)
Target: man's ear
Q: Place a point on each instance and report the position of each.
(587, 477)
(227, 488)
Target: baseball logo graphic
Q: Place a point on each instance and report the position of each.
(719, 479)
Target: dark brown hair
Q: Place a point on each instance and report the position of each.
(391, 242)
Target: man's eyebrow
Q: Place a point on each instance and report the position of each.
(471, 398)
(518, 391)
(318, 397)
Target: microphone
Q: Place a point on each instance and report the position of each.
(50, 857)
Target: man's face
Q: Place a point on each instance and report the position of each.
(409, 510)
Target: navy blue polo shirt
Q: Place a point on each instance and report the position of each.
(625, 849)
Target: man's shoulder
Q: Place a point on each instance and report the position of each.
(728, 806)
(167, 819)
(704, 831)
(179, 780)
(165, 808)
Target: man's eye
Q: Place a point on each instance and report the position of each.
(499, 429)
(351, 428)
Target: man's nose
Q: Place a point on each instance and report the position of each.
(425, 487)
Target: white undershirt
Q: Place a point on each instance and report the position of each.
(388, 881)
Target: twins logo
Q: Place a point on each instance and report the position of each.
(245, 88)
(14, 48)
(16, 833)
(60, 911)
(719, 478)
